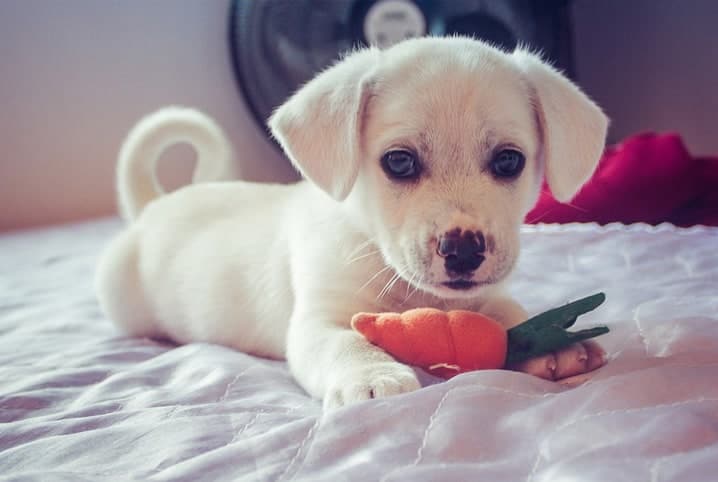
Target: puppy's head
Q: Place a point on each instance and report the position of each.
(437, 148)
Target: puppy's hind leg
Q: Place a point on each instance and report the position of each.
(120, 289)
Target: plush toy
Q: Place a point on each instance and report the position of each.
(448, 343)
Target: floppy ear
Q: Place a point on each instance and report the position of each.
(319, 126)
(573, 127)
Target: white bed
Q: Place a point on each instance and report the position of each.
(78, 401)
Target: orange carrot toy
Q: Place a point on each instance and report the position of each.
(448, 343)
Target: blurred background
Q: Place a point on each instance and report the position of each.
(77, 74)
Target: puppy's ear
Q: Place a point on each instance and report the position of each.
(319, 127)
(573, 127)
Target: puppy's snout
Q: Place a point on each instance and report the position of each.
(463, 251)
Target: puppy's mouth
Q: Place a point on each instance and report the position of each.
(460, 284)
(458, 288)
(455, 288)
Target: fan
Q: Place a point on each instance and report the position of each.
(277, 45)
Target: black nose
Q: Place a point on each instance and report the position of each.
(463, 251)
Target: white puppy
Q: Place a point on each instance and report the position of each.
(422, 161)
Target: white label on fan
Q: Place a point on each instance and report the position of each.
(390, 21)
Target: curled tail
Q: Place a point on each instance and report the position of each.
(137, 182)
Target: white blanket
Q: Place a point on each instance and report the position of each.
(78, 401)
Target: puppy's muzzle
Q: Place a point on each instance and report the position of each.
(463, 251)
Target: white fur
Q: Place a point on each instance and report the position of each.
(574, 128)
(137, 184)
(278, 271)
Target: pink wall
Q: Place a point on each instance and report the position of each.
(76, 74)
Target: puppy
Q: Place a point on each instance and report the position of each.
(420, 162)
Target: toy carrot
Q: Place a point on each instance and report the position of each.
(448, 343)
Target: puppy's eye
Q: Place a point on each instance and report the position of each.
(507, 163)
(401, 164)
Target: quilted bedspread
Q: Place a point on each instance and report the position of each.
(80, 401)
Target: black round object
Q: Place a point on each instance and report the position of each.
(277, 45)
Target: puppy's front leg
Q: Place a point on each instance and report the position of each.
(334, 363)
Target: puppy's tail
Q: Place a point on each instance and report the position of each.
(137, 182)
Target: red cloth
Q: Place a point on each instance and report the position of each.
(648, 178)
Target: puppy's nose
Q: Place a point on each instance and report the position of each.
(463, 251)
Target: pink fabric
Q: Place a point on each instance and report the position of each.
(81, 402)
(648, 178)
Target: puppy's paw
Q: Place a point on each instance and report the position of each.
(375, 380)
(576, 359)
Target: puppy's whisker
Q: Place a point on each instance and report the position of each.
(412, 287)
(390, 285)
(360, 257)
(409, 285)
(381, 293)
(539, 218)
(360, 247)
(376, 275)
(578, 208)
(416, 287)
(387, 287)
